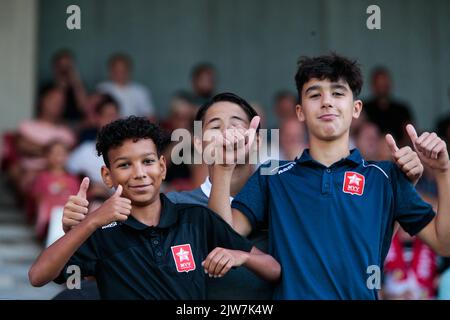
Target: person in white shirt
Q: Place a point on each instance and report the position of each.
(133, 98)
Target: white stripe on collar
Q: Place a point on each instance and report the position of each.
(206, 188)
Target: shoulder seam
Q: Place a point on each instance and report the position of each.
(375, 166)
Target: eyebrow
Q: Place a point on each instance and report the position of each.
(125, 158)
(333, 86)
(232, 118)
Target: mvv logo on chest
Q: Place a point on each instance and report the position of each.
(184, 259)
(353, 183)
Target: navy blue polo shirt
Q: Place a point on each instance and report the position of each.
(329, 226)
(131, 260)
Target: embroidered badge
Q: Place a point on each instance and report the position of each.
(184, 260)
(353, 183)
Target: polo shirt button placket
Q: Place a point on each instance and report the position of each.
(326, 181)
(156, 245)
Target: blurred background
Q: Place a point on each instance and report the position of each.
(163, 59)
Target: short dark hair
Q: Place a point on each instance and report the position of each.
(120, 57)
(379, 70)
(105, 100)
(332, 67)
(136, 128)
(62, 53)
(227, 97)
(200, 68)
(43, 93)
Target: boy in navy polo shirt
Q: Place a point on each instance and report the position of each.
(330, 213)
(140, 245)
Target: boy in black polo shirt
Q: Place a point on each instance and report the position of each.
(139, 245)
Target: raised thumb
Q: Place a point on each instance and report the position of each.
(84, 186)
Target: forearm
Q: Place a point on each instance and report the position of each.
(53, 259)
(443, 216)
(219, 200)
(263, 265)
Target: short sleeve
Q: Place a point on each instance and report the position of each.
(252, 200)
(410, 210)
(220, 234)
(86, 258)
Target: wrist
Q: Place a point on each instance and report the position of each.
(224, 169)
(90, 222)
(245, 256)
(442, 174)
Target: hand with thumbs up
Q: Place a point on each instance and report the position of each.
(431, 149)
(76, 207)
(116, 208)
(407, 160)
(235, 144)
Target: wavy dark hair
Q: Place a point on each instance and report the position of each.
(333, 67)
(135, 128)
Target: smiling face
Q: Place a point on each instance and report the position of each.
(137, 167)
(327, 108)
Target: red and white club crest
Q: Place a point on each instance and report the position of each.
(353, 183)
(184, 260)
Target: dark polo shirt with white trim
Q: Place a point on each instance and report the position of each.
(131, 260)
(330, 227)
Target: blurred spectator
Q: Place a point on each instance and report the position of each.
(105, 110)
(181, 113)
(53, 186)
(203, 80)
(67, 78)
(84, 161)
(382, 109)
(181, 116)
(284, 107)
(293, 139)
(34, 135)
(410, 269)
(443, 125)
(133, 98)
(371, 143)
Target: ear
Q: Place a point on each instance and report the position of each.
(357, 108)
(106, 176)
(299, 112)
(163, 167)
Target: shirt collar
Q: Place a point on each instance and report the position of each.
(206, 188)
(354, 157)
(169, 216)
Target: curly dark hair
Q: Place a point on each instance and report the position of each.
(115, 133)
(332, 67)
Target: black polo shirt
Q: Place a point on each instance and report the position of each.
(131, 260)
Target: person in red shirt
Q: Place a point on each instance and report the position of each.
(53, 186)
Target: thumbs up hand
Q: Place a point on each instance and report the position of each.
(234, 144)
(406, 159)
(76, 207)
(431, 149)
(116, 208)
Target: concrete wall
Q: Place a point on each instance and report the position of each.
(18, 33)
